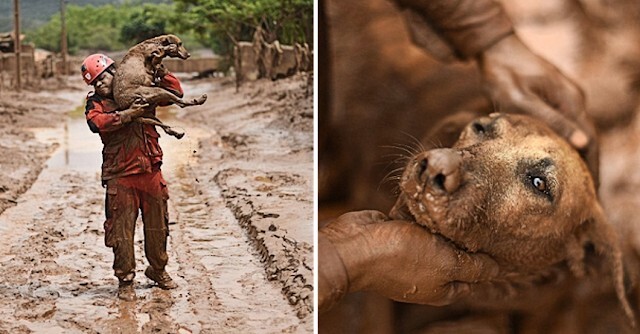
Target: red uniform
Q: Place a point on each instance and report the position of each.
(131, 160)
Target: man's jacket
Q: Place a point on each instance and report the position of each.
(130, 148)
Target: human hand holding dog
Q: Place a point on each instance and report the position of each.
(521, 81)
(365, 251)
(160, 72)
(137, 109)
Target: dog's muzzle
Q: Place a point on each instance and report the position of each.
(439, 170)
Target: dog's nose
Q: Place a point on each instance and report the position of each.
(440, 169)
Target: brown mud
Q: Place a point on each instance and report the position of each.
(241, 187)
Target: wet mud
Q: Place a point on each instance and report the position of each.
(263, 175)
(56, 273)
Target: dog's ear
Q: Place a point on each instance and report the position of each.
(597, 236)
(170, 39)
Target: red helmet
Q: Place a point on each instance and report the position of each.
(93, 66)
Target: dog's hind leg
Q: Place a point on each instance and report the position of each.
(167, 129)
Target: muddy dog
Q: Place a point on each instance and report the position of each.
(511, 188)
(139, 70)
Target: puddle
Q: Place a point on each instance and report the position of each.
(81, 150)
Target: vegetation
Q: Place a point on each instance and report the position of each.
(88, 27)
(221, 23)
(35, 13)
(217, 24)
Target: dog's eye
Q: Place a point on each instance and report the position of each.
(539, 183)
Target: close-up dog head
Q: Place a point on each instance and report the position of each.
(509, 187)
(173, 46)
(167, 46)
(513, 189)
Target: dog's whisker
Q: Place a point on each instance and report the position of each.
(389, 177)
(417, 142)
(404, 148)
(397, 156)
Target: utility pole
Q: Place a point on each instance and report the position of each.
(63, 39)
(16, 42)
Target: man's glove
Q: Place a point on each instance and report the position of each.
(137, 109)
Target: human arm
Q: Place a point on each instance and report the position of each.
(365, 251)
(515, 78)
(102, 117)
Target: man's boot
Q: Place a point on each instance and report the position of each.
(126, 291)
(162, 278)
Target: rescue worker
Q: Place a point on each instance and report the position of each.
(131, 174)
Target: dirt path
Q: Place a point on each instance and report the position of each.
(241, 214)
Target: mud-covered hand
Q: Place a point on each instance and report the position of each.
(137, 109)
(520, 81)
(160, 72)
(365, 251)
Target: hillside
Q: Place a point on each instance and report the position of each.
(36, 12)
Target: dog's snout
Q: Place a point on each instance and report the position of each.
(440, 170)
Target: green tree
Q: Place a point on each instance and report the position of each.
(221, 23)
(111, 28)
(145, 22)
(88, 27)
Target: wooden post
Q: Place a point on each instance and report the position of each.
(16, 42)
(63, 39)
(1, 71)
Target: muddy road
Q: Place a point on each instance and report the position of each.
(241, 213)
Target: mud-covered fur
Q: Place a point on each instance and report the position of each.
(515, 190)
(138, 72)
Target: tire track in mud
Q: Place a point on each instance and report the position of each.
(288, 261)
(261, 155)
(218, 254)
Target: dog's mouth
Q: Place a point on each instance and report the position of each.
(431, 209)
(420, 199)
(184, 54)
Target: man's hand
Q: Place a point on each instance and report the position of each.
(160, 72)
(398, 259)
(137, 109)
(520, 81)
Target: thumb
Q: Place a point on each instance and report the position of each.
(475, 268)
(365, 216)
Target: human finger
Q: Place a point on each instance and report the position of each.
(561, 124)
(474, 267)
(364, 216)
